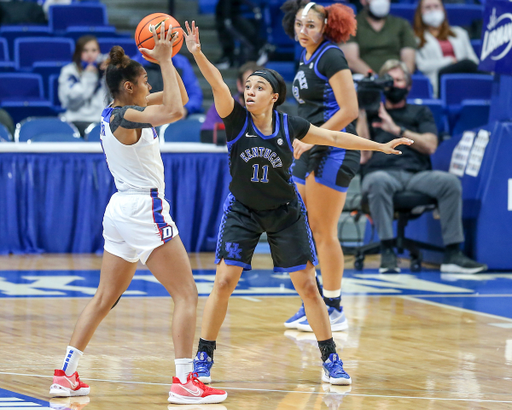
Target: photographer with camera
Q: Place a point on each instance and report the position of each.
(385, 175)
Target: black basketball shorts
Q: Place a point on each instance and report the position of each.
(333, 167)
(288, 233)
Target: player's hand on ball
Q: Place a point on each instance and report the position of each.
(163, 44)
(192, 38)
(389, 147)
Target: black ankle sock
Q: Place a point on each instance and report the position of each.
(207, 346)
(319, 286)
(452, 248)
(386, 244)
(326, 348)
(333, 302)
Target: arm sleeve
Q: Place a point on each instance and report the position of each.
(298, 127)
(235, 121)
(332, 61)
(195, 94)
(120, 121)
(407, 35)
(426, 122)
(75, 89)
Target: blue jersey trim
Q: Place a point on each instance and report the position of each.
(318, 50)
(291, 268)
(286, 132)
(234, 263)
(331, 185)
(158, 218)
(230, 143)
(316, 62)
(267, 137)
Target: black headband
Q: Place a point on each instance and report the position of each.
(271, 78)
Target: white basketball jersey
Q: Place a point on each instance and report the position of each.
(134, 167)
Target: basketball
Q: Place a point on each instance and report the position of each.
(144, 37)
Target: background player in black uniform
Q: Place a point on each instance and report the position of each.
(263, 198)
(327, 98)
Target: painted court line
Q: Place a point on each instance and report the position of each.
(458, 309)
(287, 391)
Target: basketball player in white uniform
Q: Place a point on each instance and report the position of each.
(137, 225)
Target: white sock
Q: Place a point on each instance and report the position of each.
(183, 368)
(70, 364)
(332, 293)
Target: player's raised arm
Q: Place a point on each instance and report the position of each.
(224, 102)
(322, 136)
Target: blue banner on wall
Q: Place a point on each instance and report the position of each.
(496, 52)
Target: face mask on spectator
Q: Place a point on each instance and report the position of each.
(433, 18)
(379, 8)
(395, 94)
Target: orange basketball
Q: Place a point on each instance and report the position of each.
(144, 37)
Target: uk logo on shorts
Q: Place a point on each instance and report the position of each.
(234, 251)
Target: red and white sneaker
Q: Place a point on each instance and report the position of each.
(68, 386)
(194, 392)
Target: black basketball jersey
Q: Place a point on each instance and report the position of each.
(260, 164)
(311, 87)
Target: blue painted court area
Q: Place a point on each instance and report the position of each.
(489, 293)
(10, 400)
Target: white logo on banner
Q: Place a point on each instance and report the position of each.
(460, 154)
(477, 153)
(496, 37)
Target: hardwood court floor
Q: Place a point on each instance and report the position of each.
(402, 352)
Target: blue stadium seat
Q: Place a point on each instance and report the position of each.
(473, 114)
(21, 87)
(463, 14)
(458, 87)
(436, 106)
(11, 33)
(53, 90)
(404, 10)
(19, 110)
(187, 130)
(273, 17)
(92, 132)
(285, 68)
(60, 17)
(75, 32)
(421, 87)
(207, 6)
(6, 64)
(46, 69)
(477, 47)
(31, 49)
(128, 44)
(5, 135)
(37, 129)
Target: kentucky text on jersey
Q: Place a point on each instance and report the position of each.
(262, 152)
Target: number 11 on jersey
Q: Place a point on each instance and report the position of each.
(256, 168)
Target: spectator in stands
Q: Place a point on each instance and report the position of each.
(6, 121)
(82, 89)
(385, 175)
(441, 49)
(231, 26)
(185, 70)
(379, 37)
(212, 117)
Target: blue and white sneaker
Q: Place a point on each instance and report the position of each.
(202, 366)
(333, 371)
(296, 318)
(337, 318)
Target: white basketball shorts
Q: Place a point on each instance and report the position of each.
(135, 223)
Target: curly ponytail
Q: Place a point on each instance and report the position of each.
(341, 21)
(120, 68)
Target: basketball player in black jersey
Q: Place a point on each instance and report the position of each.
(263, 198)
(325, 91)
